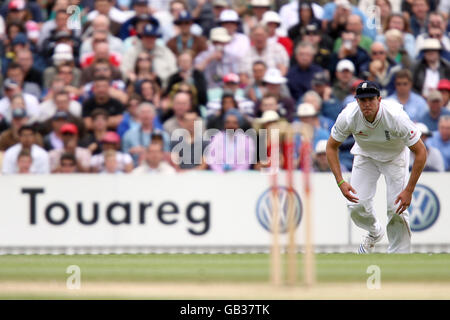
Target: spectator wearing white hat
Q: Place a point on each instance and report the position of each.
(62, 55)
(272, 21)
(275, 85)
(431, 68)
(436, 29)
(345, 75)
(273, 54)
(216, 62)
(320, 161)
(267, 142)
(435, 160)
(239, 44)
(307, 113)
(252, 17)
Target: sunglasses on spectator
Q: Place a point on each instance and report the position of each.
(403, 83)
(435, 35)
(144, 59)
(378, 52)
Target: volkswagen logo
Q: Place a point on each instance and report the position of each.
(264, 210)
(424, 209)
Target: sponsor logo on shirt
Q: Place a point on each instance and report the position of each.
(360, 133)
(413, 134)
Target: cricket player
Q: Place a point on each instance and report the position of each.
(383, 133)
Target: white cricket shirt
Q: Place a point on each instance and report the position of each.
(385, 138)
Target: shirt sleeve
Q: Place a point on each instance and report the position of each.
(407, 130)
(341, 129)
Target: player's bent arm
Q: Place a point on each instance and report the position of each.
(420, 158)
(332, 152)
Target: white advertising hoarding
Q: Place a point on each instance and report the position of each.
(188, 210)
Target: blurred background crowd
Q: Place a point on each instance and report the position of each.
(103, 86)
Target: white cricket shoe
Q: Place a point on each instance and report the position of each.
(369, 242)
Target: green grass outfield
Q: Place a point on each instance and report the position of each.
(252, 268)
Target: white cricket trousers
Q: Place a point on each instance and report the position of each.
(365, 174)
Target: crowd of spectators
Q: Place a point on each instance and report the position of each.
(105, 86)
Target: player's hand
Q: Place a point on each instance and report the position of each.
(347, 191)
(405, 200)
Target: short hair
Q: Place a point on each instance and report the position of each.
(313, 94)
(64, 64)
(258, 26)
(102, 60)
(157, 140)
(109, 153)
(407, 27)
(24, 153)
(134, 96)
(378, 43)
(27, 127)
(404, 73)
(68, 156)
(303, 45)
(146, 104)
(99, 112)
(394, 33)
(260, 62)
(61, 11)
(17, 96)
(62, 93)
(14, 65)
(269, 96)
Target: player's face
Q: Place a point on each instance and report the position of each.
(369, 107)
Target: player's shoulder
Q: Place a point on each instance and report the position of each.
(350, 110)
(392, 108)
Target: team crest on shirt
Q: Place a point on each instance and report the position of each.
(388, 135)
